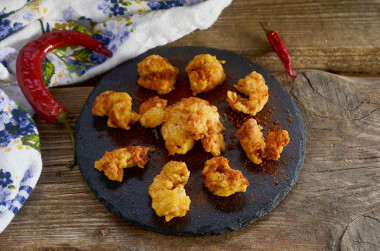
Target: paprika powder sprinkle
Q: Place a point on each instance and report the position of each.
(29, 76)
(280, 49)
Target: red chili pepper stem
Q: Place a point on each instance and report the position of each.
(29, 76)
(264, 28)
(280, 49)
(62, 119)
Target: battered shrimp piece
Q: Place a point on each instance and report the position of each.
(204, 124)
(275, 143)
(152, 112)
(214, 144)
(167, 191)
(105, 101)
(252, 140)
(189, 120)
(205, 73)
(221, 179)
(113, 163)
(122, 116)
(253, 85)
(156, 73)
(118, 106)
(177, 139)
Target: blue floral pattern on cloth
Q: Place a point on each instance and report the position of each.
(16, 123)
(7, 27)
(20, 164)
(6, 184)
(128, 28)
(110, 21)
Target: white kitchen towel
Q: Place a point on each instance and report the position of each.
(20, 158)
(127, 28)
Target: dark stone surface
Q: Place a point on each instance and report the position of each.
(208, 215)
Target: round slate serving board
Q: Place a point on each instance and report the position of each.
(208, 215)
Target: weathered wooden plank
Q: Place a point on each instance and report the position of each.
(337, 196)
(339, 182)
(335, 36)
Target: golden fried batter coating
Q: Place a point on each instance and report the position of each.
(253, 85)
(189, 120)
(214, 144)
(252, 140)
(113, 163)
(156, 73)
(205, 73)
(152, 112)
(118, 106)
(275, 143)
(105, 101)
(221, 179)
(167, 191)
(122, 116)
(256, 147)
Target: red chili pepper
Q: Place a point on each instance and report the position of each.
(29, 76)
(280, 49)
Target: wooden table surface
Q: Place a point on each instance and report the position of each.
(335, 46)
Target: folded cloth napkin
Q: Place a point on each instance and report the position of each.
(20, 158)
(127, 28)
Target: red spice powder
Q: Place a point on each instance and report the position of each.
(230, 146)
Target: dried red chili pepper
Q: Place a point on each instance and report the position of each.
(29, 76)
(280, 49)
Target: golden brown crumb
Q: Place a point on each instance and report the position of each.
(104, 232)
(152, 112)
(275, 143)
(167, 191)
(252, 140)
(253, 85)
(113, 163)
(221, 179)
(205, 73)
(189, 120)
(156, 73)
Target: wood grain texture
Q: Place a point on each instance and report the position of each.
(335, 36)
(337, 197)
(338, 186)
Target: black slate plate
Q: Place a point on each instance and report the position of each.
(208, 215)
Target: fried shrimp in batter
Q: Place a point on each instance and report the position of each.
(205, 73)
(252, 140)
(275, 143)
(113, 163)
(152, 112)
(221, 179)
(156, 73)
(256, 147)
(118, 106)
(253, 85)
(189, 120)
(122, 116)
(105, 101)
(167, 191)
